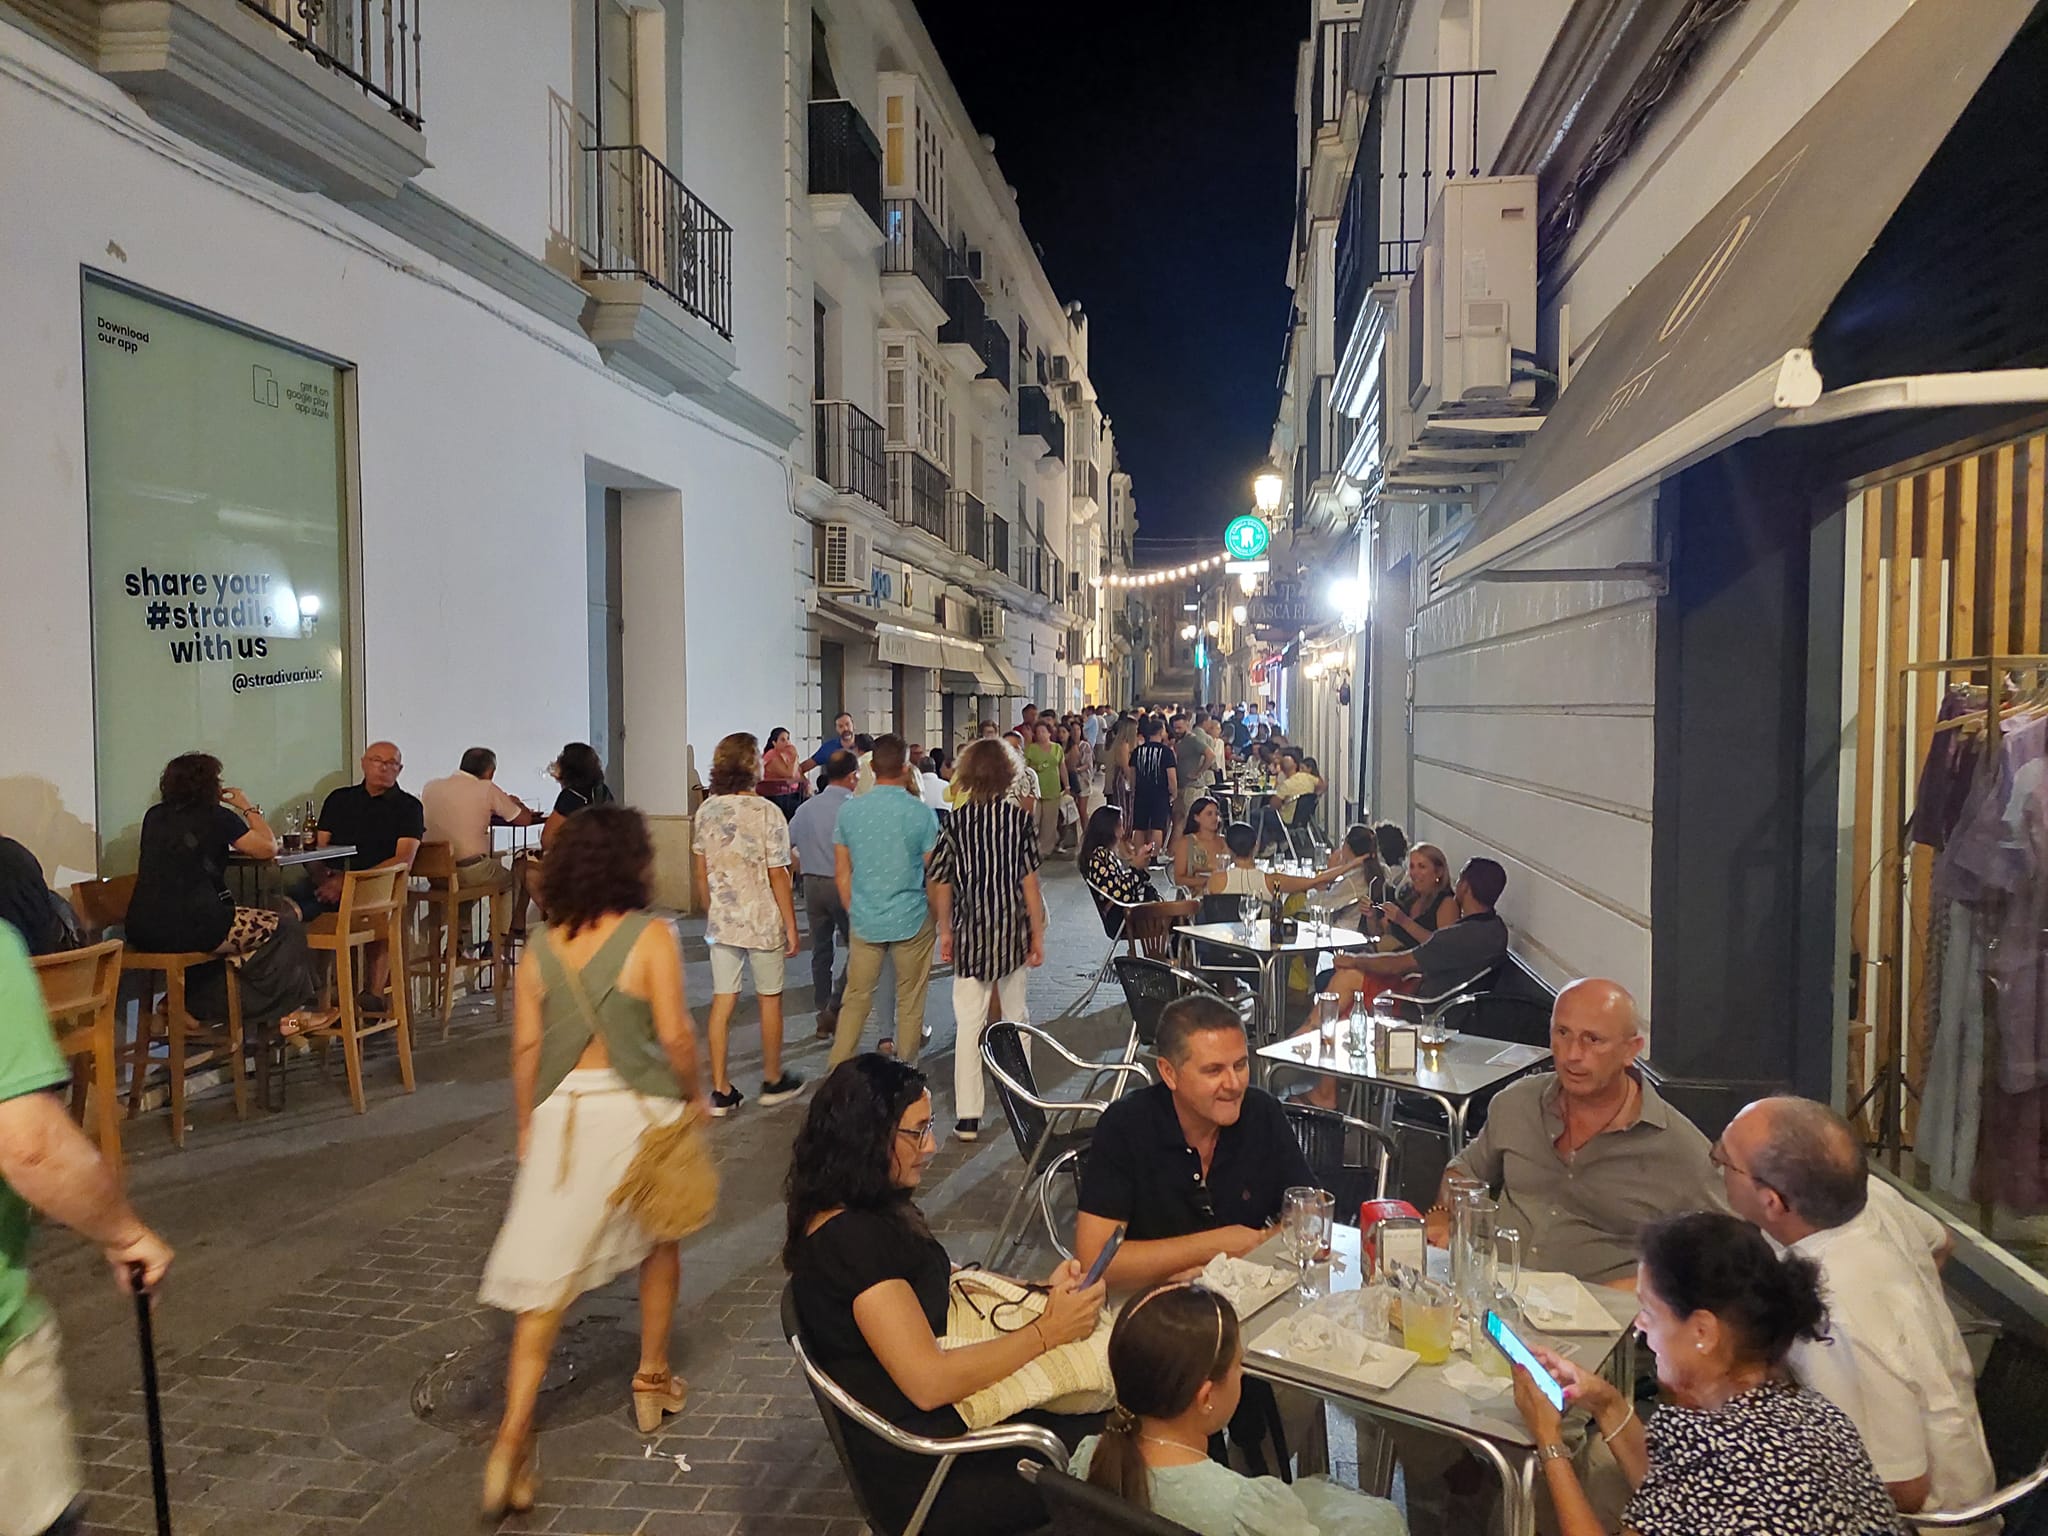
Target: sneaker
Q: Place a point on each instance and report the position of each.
(787, 1086)
(967, 1130)
(723, 1104)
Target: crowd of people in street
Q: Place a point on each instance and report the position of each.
(1811, 1377)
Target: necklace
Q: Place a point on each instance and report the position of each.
(1572, 1151)
(1178, 1445)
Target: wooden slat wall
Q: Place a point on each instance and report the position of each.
(1954, 562)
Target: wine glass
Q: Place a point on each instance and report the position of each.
(1306, 1216)
(1247, 912)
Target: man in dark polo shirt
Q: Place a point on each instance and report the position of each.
(381, 822)
(1196, 1164)
(1476, 942)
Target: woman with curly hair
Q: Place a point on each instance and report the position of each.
(1178, 1364)
(780, 783)
(871, 1284)
(603, 1047)
(181, 903)
(742, 859)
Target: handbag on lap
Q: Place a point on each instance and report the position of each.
(1074, 1378)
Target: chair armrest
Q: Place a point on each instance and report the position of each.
(1023, 1437)
(1118, 1069)
(2000, 1500)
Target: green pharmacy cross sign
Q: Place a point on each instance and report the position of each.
(1247, 537)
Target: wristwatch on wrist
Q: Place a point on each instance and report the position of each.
(1555, 1451)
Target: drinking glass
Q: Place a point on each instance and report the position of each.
(1306, 1216)
(1486, 1354)
(1427, 1313)
(1248, 912)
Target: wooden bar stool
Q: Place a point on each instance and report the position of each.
(372, 910)
(164, 1015)
(444, 902)
(81, 988)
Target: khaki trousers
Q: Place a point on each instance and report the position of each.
(913, 958)
(39, 1470)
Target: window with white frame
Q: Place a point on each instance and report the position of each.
(917, 412)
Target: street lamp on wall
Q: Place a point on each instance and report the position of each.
(1267, 487)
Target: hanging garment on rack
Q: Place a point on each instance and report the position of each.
(1948, 773)
(1952, 1097)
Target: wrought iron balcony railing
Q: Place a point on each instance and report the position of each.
(1336, 42)
(966, 321)
(998, 544)
(1036, 417)
(643, 222)
(967, 526)
(995, 351)
(847, 450)
(373, 44)
(917, 492)
(914, 245)
(845, 156)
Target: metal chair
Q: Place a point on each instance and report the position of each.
(1043, 1128)
(1500, 1016)
(1067, 1165)
(1302, 834)
(1149, 985)
(1430, 1010)
(1207, 960)
(1341, 1151)
(1082, 1509)
(2012, 1400)
(846, 1419)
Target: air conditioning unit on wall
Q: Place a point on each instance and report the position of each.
(843, 559)
(1472, 302)
(991, 626)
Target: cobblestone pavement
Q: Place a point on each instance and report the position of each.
(326, 1367)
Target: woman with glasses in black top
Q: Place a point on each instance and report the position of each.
(871, 1286)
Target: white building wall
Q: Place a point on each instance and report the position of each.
(1534, 745)
(476, 421)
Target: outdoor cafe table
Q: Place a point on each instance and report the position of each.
(287, 860)
(1272, 958)
(1450, 1075)
(1422, 1399)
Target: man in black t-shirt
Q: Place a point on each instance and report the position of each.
(381, 822)
(1153, 784)
(1196, 1164)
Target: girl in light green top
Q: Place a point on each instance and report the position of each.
(1178, 1365)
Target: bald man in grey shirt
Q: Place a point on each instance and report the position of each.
(1584, 1156)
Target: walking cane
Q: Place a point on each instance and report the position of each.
(158, 1481)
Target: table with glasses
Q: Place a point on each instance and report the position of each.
(249, 876)
(1423, 1398)
(1272, 958)
(1450, 1075)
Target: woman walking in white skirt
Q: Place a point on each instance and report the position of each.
(602, 1048)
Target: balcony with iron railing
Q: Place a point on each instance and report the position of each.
(966, 324)
(917, 492)
(967, 526)
(846, 158)
(915, 260)
(1038, 417)
(1426, 131)
(321, 97)
(846, 451)
(372, 44)
(1336, 43)
(999, 544)
(995, 355)
(642, 222)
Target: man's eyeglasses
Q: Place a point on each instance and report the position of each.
(923, 1135)
(1720, 1160)
(385, 762)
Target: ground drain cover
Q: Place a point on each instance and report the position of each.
(590, 1374)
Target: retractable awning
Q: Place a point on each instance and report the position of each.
(1714, 345)
(997, 678)
(901, 639)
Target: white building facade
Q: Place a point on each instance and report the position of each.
(374, 384)
(1673, 380)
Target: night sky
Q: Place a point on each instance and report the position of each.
(1152, 149)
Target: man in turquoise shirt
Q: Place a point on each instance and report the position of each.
(883, 840)
(46, 1164)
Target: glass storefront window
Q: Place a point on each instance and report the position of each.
(217, 516)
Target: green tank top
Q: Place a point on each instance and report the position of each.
(625, 1022)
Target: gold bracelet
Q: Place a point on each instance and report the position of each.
(1626, 1419)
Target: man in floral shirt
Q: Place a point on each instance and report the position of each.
(742, 860)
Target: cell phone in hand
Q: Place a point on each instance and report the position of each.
(1101, 1265)
(1517, 1349)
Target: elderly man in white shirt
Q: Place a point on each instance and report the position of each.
(1893, 1361)
(458, 812)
